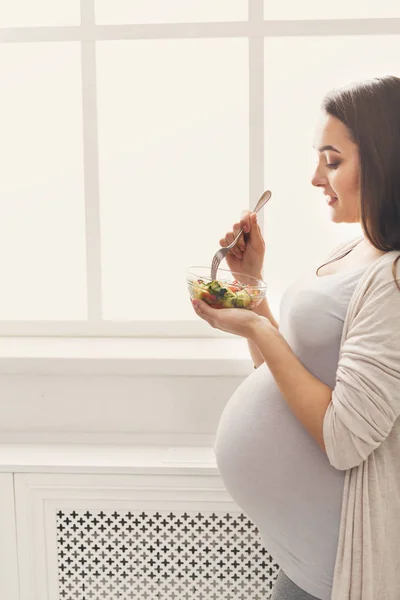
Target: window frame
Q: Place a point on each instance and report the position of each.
(255, 29)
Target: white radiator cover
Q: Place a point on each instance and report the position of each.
(109, 480)
(160, 554)
(157, 533)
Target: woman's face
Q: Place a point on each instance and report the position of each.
(338, 170)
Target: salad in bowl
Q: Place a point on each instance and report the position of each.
(228, 290)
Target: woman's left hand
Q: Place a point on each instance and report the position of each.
(232, 320)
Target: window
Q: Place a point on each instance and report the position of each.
(42, 208)
(25, 13)
(340, 9)
(173, 11)
(173, 144)
(135, 132)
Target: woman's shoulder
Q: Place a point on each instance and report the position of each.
(378, 288)
(386, 270)
(377, 293)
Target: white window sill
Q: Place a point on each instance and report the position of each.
(92, 458)
(125, 356)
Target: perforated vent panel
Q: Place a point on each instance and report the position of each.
(157, 555)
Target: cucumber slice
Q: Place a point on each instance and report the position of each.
(243, 299)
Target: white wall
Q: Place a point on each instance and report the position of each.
(99, 408)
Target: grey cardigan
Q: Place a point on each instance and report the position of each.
(362, 436)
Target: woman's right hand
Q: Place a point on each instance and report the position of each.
(247, 256)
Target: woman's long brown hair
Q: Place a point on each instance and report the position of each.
(371, 112)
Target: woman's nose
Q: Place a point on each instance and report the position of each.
(318, 179)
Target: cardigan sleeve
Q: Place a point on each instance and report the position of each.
(366, 398)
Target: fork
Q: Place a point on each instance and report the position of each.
(220, 254)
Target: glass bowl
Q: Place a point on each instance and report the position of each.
(228, 290)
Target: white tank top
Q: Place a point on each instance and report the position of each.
(273, 469)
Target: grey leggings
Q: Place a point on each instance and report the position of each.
(285, 589)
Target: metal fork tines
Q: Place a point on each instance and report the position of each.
(221, 254)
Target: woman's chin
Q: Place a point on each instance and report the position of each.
(335, 215)
(339, 216)
(336, 219)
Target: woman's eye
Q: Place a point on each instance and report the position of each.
(333, 165)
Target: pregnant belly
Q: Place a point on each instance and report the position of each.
(270, 465)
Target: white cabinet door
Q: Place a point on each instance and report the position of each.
(153, 536)
(8, 540)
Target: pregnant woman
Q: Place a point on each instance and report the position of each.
(309, 444)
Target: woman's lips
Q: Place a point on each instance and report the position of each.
(331, 200)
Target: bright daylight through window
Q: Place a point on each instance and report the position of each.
(134, 134)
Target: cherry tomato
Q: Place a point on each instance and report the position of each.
(207, 296)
